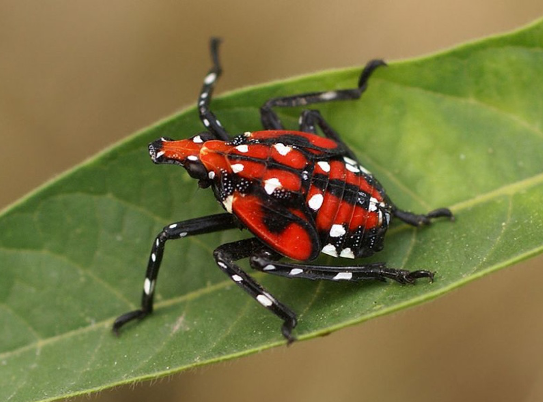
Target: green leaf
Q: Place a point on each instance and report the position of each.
(460, 129)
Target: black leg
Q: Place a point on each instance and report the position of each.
(270, 120)
(419, 220)
(176, 230)
(374, 271)
(310, 119)
(209, 120)
(225, 256)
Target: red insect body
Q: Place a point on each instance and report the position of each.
(296, 191)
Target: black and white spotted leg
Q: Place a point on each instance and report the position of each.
(227, 254)
(207, 117)
(178, 230)
(374, 271)
(270, 120)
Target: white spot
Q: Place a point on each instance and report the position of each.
(157, 243)
(203, 95)
(264, 300)
(173, 226)
(153, 257)
(350, 161)
(337, 230)
(218, 123)
(163, 139)
(228, 203)
(324, 166)
(295, 271)
(183, 234)
(222, 265)
(148, 286)
(328, 95)
(197, 140)
(352, 168)
(192, 158)
(210, 78)
(159, 154)
(373, 204)
(315, 202)
(237, 278)
(380, 215)
(247, 133)
(238, 167)
(305, 175)
(282, 148)
(330, 249)
(271, 184)
(242, 148)
(346, 253)
(363, 169)
(269, 267)
(206, 122)
(211, 175)
(346, 276)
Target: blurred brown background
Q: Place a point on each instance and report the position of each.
(75, 76)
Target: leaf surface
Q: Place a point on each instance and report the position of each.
(460, 129)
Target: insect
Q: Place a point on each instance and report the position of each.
(299, 194)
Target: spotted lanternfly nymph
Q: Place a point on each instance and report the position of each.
(298, 193)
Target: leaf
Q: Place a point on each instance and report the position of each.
(462, 129)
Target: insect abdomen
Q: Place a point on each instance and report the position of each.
(349, 207)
